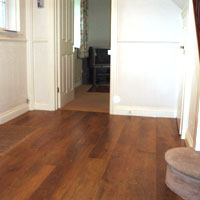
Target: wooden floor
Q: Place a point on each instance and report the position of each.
(88, 156)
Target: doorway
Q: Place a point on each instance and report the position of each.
(83, 81)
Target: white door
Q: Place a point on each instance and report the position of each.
(182, 72)
(65, 45)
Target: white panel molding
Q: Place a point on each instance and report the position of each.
(64, 6)
(68, 25)
(144, 112)
(13, 113)
(70, 8)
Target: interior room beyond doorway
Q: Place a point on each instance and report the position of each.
(91, 57)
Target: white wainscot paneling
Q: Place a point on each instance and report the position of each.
(67, 34)
(67, 74)
(147, 78)
(41, 75)
(13, 81)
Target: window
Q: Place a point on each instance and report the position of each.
(9, 15)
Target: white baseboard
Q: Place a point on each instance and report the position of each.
(45, 107)
(77, 83)
(144, 112)
(13, 113)
(188, 139)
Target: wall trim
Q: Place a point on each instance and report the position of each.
(144, 111)
(13, 113)
(45, 107)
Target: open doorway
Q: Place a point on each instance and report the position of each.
(84, 75)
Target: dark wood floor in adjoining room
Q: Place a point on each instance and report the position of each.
(88, 156)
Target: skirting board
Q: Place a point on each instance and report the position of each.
(144, 112)
(45, 107)
(13, 113)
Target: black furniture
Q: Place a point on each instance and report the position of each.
(99, 63)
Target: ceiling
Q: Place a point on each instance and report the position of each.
(180, 3)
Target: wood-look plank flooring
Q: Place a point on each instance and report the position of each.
(88, 156)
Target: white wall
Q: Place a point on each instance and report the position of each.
(99, 19)
(146, 79)
(13, 79)
(41, 66)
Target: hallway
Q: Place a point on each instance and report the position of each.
(88, 156)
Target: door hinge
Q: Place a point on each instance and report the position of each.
(27, 101)
(58, 89)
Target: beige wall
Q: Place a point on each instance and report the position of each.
(13, 74)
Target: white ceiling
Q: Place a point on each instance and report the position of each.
(180, 3)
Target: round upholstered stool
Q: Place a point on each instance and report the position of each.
(183, 172)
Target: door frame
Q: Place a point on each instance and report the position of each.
(57, 54)
(113, 65)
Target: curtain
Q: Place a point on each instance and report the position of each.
(83, 51)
